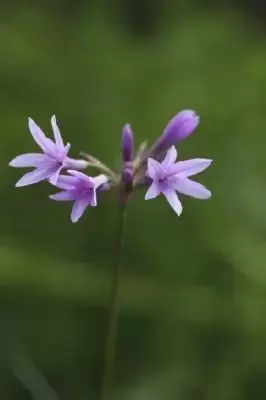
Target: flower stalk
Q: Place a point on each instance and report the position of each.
(112, 330)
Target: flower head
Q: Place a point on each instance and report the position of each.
(178, 128)
(81, 189)
(50, 163)
(127, 147)
(169, 177)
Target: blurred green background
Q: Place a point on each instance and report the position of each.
(193, 293)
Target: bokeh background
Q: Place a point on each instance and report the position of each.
(193, 293)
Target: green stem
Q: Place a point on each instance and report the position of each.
(110, 349)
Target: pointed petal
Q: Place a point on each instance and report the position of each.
(99, 180)
(152, 192)
(192, 189)
(35, 176)
(80, 175)
(93, 201)
(66, 195)
(66, 182)
(173, 200)
(191, 167)
(67, 148)
(57, 135)
(79, 208)
(54, 177)
(154, 168)
(28, 160)
(45, 144)
(72, 164)
(170, 157)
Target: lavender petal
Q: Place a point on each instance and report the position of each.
(35, 176)
(192, 189)
(191, 167)
(79, 208)
(28, 160)
(45, 144)
(72, 164)
(99, 180)
(66, 182)
(154, 168)
(54, 177)
(80, 176)
(152, 192)
(173, 200)
(170, 157)
(66, 195)
(57, 135)
(93, 200)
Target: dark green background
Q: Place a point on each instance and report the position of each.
(193, 293)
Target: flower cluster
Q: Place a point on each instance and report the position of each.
(154, 168)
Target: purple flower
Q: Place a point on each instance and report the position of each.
(169, 177)
(178, 128)
(49, 164)
(81, 189)
(127, 147)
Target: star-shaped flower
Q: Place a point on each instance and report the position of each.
(169, 177)
(81, 189)
(49, 164)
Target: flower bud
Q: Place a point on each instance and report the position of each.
(178, 128)
(127, 144)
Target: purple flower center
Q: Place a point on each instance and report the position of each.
(83, 189)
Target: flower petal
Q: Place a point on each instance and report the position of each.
(170, 157)
(190, 167)
(152, 192)
(80, 176)
(192, 189)
(72, 164)
(66, 195)
(66, 182)
(57, 135)
(99, 180)
(93, 201)
(45, 144)
(154, 169)
(28, 160)
(173, 200)
(79, 208)
(67, 148)
(54, 177)
(35, 176)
